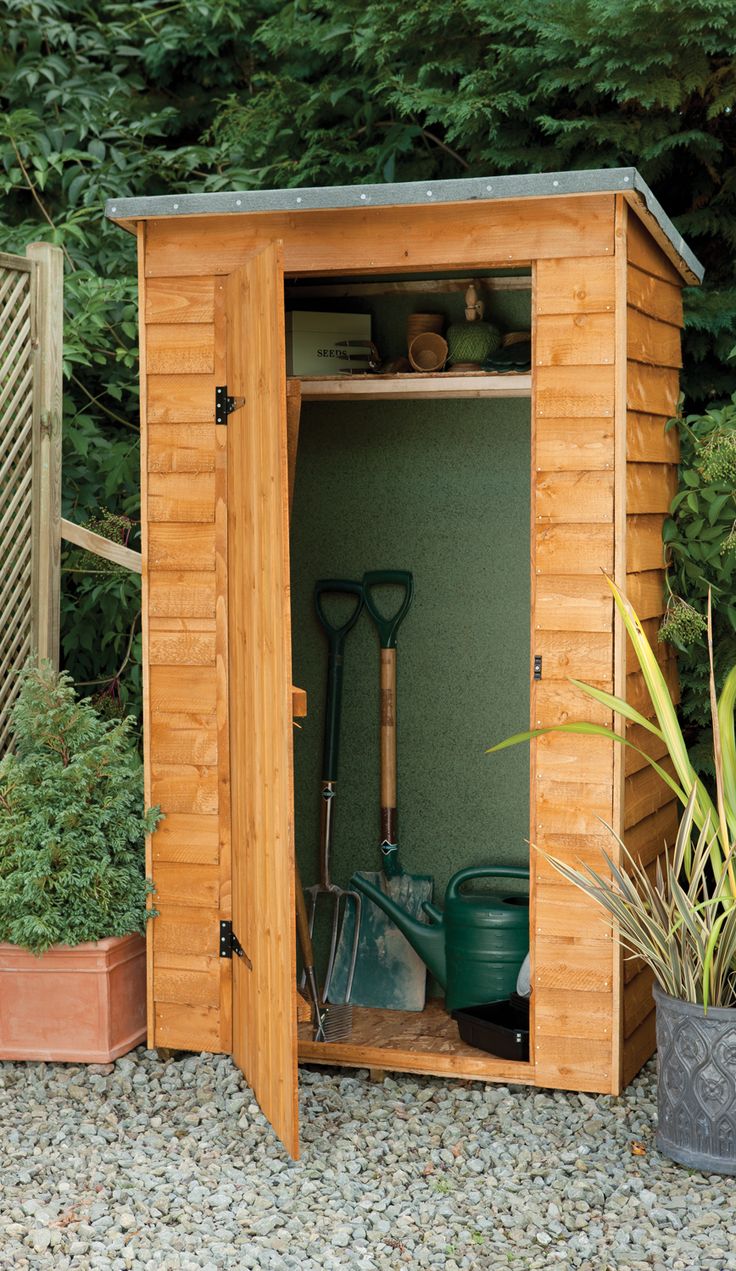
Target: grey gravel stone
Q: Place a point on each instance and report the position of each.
(153, 1165)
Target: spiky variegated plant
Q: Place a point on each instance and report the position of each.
(683, 923)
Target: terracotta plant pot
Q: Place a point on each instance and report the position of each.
(420, 323)
(428, 352)
(85, 1004)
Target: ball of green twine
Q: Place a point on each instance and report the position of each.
(472, 341)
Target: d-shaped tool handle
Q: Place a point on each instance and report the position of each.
(336, 637)
(337, 586)
(388, 627)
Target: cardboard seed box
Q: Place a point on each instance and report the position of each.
(312, 338)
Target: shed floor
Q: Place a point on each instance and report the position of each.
(409, 1041)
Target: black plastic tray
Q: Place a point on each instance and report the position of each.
(499, 1028)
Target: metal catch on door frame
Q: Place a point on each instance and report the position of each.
(225, 404)
(229, 944)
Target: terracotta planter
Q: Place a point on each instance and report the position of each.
(85, 1004)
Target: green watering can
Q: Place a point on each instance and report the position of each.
(476, 945)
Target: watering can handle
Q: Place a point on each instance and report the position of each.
(482, 871)
(388, 628)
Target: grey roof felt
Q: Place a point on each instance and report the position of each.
(409, 194)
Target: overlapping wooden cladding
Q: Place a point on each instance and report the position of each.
(380, 239)
(654, 320)
(187, 639)
(572, 786)
(183, 265)
(576, 395)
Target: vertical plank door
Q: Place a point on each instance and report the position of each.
(259, 650)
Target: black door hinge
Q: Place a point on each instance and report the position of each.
(225, 404)
(537, 666)
(229, 944)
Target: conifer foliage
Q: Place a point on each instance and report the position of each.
(71, 821)
(700, 547)
(139, 97)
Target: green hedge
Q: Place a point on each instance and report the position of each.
(142, 98)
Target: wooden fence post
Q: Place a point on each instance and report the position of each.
(48, 265)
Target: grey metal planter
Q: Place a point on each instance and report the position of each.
(697, 1084)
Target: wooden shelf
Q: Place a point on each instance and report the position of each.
(297, 289)
(413, 386)
(410, 1041)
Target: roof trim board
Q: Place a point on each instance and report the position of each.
(414, 193)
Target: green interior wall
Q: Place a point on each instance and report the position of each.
(440, 488)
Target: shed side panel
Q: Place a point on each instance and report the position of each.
(654, 321)
(145, 672)
(572, 778)
(645, 253)
(186, 626)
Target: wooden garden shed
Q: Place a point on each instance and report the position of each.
(508, 495)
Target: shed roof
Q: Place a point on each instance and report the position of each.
(413, 193)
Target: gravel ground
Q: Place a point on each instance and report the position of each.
(152, 1164)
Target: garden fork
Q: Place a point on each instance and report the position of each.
(339, 898)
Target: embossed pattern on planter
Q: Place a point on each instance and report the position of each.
(697, 1084)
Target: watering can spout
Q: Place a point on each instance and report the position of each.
(427, 940)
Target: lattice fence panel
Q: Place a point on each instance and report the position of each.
(17, 363)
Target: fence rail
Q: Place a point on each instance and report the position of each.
(30, 462)
(31, 525)
(48, 263)
(80, 536)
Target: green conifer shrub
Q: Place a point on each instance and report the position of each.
(72, 821)
(700, 551)
(142, 98)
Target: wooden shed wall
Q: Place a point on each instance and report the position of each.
(184, 481)
(654, 320)
(574, 305)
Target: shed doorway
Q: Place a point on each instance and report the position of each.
(438, 485)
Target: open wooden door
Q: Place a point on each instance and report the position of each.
(259, 652)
